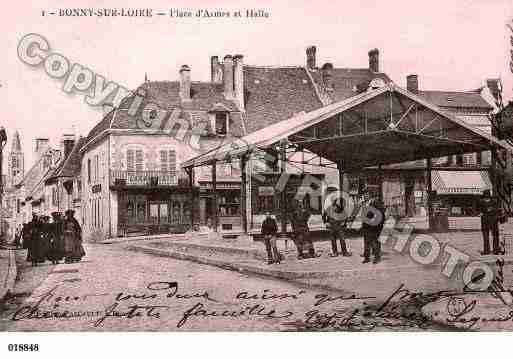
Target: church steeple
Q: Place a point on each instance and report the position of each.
(16, 143)
(16, 161)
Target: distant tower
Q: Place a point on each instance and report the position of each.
(16, 162)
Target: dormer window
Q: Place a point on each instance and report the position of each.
(221, 123)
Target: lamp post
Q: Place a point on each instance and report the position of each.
(3, 141)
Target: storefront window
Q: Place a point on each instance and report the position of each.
(229, 204)
(266, 204)
(141, 212)
(154, 212)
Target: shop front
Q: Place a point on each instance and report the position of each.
(459, 191)
(228, 201)
(267, 197)
(153, 204)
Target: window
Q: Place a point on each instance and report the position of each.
(55, 196)
(459, 160)
(168, 161)
(221, 124)
(134, 160)
(88, 170)
(96, 167)
(478, 158)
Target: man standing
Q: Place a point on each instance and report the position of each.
(56, 252)
(335, 219)
(489, 209)
(269, 231)
(72, 232)
(373, 218)
(302, 239)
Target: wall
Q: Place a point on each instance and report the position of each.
(95, 205)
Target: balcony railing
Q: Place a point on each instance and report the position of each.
(143, 178)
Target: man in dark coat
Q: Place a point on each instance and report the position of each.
(269, 231)
(372, 224)
(335, 220)
(302, 239)
(56, 252)
(489, 208)
(36, 250)
(74, 251)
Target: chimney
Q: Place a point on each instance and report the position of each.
(67, 143)
(228, 76)
(412, 83)
(185, 83)
(310, 57)
(494, 86)
(238, 80)
(374, 60)
(327, 76)
(42, 144)
(216, 70)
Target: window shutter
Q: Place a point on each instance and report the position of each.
(163, 161)
(172, 162)
(130, 161)
(138, 160)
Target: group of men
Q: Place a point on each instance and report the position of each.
(54, 241)
(373, 219)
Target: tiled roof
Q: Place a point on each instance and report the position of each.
(456, 99)
(348, 82)
(276, 94)
(70, 167)
(205, 96)
(36, 174)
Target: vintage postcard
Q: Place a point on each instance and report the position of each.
(253, 167)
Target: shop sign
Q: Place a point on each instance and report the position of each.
(266, 191)
(476, 191)
(96, 188)
(209, 185)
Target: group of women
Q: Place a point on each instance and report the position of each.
(54, 241)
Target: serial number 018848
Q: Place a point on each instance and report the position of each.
(23, 347)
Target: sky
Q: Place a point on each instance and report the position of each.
(451, 45)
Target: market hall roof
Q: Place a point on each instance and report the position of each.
(381, 126)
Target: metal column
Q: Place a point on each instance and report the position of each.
(283, 195)
(191, 187)
(243, 201)
(429, 190)
(214, 190)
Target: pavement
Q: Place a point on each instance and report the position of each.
(113, 289)
(248, 256)
(8, 272)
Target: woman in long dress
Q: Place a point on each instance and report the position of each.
(72, 238)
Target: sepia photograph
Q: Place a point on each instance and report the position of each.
(317, 169)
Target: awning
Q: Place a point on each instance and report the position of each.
(383, 126)
(460, 182)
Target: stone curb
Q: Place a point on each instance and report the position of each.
(250, 252)
(141, 238)
(12, 271)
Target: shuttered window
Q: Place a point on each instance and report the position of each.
(139, 160)
(130, 161)
(168, 161)
(134, 160)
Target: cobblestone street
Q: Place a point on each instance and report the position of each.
(116, 289)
